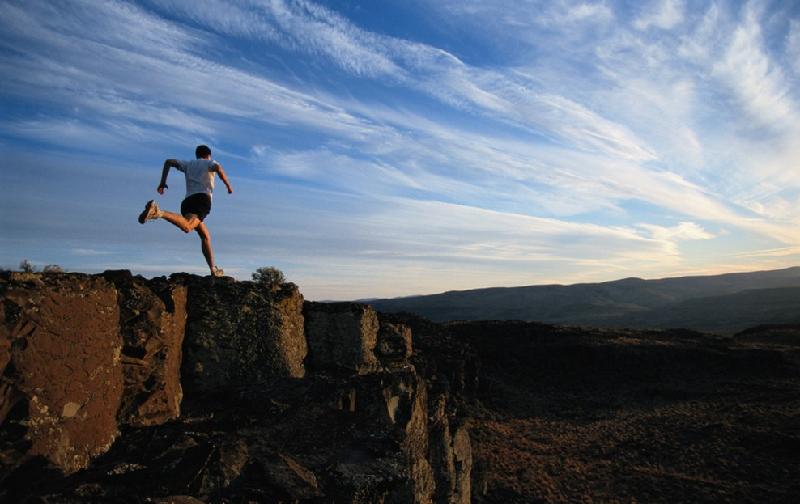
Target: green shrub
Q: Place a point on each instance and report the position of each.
(269, 275)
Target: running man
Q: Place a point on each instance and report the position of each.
(196, 206)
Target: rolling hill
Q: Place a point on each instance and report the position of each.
(726, 302)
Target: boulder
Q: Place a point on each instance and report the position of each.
(62, 379)
(342, 336)
(152, 323)
(239, 333)
(224, 468)
(289, 478)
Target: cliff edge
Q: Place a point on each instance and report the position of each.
(187, 389)
(116, 388)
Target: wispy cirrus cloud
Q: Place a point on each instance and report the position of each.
(793, 46)
(137, 61)
(663, 14)
(592, 137)
(313, 29)
(757, 82)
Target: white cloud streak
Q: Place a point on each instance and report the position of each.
(664, 14)
(524, 162)
(757, 83)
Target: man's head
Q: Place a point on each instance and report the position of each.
(202, 152)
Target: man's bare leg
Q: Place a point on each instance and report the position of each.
(205, 243)
(185, 224)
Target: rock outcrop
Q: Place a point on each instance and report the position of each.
(451, 454)
(85, 357)
(342, 336)
(239, 333)
(115, 388)
(152, 321)
(62, 380)
(394, 344)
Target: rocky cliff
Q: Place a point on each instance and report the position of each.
(184, 389)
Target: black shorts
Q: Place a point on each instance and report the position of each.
(198, 204)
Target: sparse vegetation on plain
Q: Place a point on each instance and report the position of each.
(26, 266)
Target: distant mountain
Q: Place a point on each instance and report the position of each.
(729, 313)
(726, 302)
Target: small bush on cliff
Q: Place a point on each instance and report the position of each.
(269, 275)
(26, 266)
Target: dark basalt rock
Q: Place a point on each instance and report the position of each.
(87, 357)
(393, 408)
(239, 333)
(394, 343)
(61, 383)
(152, 326)
(342, 336)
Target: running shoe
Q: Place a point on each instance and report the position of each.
(217, 272)
(150, 212)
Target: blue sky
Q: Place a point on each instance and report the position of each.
(387, 148)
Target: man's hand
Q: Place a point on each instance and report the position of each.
(168, 163)
(223, 177)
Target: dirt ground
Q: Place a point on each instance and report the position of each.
(651, 418)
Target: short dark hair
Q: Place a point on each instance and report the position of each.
(202, 151)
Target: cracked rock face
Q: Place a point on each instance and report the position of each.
(62, 379)
(82, 355)
(152, 324)
(238, 333)
(342, 336)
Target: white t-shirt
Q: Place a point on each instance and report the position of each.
(199, 175)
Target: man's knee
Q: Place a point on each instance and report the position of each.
(192, 221)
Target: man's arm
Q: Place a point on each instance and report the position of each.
(169, 163)
(223, 177)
